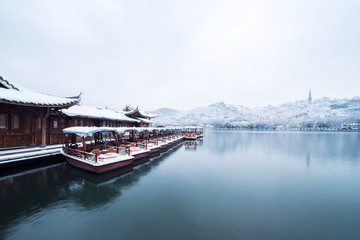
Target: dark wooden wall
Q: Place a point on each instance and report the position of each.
(23, 132)
(32, 125)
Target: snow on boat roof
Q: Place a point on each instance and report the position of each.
(193, 127)
(93, 112)
(89, 131)
(21, 96)
(85, 131)
(174, 128)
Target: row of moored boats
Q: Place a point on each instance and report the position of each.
(102, 149)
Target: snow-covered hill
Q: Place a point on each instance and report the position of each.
(321, 113)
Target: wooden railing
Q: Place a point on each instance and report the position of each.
(80, 154)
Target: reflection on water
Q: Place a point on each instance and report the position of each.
(25, 195)
(233, 185)
(299, 144)
(308, 160)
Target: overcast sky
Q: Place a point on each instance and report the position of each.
(182, 54)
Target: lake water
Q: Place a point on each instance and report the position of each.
(233, 185)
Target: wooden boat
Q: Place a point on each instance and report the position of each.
(193, 132)
(102, 149)
(97, 151)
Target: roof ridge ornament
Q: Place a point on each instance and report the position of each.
(7, 84)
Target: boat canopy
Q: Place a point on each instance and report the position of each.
(89, 131)
(193, 127)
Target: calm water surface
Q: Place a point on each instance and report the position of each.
(234, 185)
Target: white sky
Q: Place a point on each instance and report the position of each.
(182, 54)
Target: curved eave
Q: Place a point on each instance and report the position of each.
(142, 114)
(30, 104)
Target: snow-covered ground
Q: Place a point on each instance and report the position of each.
(324, 113)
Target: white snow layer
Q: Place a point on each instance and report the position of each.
(30, 97)
(93, 112)
(335, 111)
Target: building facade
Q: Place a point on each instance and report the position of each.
(25, 116)
(29, 118)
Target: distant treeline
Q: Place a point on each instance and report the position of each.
(305, 126)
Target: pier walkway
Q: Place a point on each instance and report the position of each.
(21, 156)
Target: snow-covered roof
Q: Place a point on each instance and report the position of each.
(9, 93)
(6, 84)
(149, 115)
(145, 120)
(93, 112)
(141, 113)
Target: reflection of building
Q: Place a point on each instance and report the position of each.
(144, 117)
(26, 117)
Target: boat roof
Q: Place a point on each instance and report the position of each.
(89, 131)
(193, 127)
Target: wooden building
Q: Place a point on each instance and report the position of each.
(29, 118)
(25, 116)
(143, 117)
(82, 115)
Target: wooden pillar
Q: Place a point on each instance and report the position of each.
(44, 125)
(43, 128)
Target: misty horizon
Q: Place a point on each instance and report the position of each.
(182, 54)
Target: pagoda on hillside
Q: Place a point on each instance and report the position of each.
(309, 97)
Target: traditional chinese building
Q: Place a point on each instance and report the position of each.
(143, 117)
(30, 118)
(81, 115)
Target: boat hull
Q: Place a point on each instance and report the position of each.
(98, 169)
(154, 152)
(189, 138)
(140, 155)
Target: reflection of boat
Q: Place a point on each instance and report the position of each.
(96, 178)
(65, 184)
(103, 149)
(190, 143)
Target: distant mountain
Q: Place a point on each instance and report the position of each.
(321, 113)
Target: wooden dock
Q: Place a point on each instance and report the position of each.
(26, 156)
